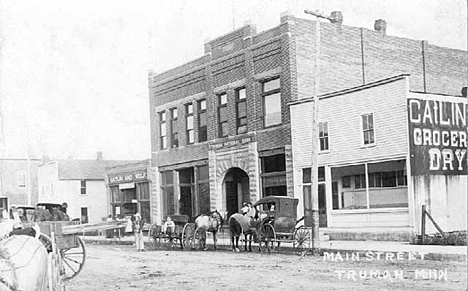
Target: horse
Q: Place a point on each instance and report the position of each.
(24, 263)
(243, 224)
(211, 222)
(53, 214)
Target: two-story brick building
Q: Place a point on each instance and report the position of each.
(382, 157)
(220, 125)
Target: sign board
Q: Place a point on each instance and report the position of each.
(437, 135)
(136, 176)
(232, 142)
(126, 186)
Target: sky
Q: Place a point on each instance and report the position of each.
(73, 74)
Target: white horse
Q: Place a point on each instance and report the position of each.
(211, 222)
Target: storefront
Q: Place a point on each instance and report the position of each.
(129, 190)
(185, 189)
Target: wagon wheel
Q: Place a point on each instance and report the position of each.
(54, 280)
(154, 238)
(267, 238)
(301, 240)
(73, 260)
(187, 236)
(199, 239)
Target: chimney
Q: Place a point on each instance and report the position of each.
(380, 25)
(463, 91)
(99, 156)
(336, 17)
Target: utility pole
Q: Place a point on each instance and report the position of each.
(313, 209)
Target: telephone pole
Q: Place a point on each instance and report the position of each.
(313, 209)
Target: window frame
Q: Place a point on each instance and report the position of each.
(366, 130)
(325, 136)
(202, 129)
(189, 131)
(239, 101)
(162, 122)
(83, 189)
(220, 123)
(266, 94)
(174, 125)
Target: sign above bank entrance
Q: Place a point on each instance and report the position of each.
(232, 142)
(438, 136)
(128, 177)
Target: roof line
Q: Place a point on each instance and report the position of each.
(352, 89)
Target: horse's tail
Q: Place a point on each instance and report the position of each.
(235, 229)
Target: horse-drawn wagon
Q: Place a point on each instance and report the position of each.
(179, 234)
(64, 250)
(189, 235)
(278, 224)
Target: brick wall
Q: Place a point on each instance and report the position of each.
(351, 56)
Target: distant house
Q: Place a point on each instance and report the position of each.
(79, 183)
(18, 181)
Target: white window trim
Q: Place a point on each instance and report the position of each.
(361, 132)
(328, 138)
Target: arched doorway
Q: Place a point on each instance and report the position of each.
(236, 188)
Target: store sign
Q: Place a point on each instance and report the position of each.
(231, 143)
(438, 136)
(127, 177)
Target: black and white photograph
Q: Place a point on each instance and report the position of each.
(233, 145)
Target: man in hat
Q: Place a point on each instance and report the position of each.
(137, 225)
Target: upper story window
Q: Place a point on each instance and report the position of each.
(83, 187)
(22, 179)
(163, 130)
(189, 123)
(241, 111)
(202, 131)
(222, 115)
(174, 128)
(271, 103)
(323, 136)
(368, 128)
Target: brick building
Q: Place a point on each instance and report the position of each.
(385, 156)
(18, 181)
(129, 190)
(220, 125)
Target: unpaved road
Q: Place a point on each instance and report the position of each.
(123, 268)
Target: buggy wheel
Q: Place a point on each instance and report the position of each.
(73, 259)
(267, 238)
(301, 241)
(199, 239)
(154, 238)
(187, 236)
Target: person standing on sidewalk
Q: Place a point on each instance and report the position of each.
(137, 226)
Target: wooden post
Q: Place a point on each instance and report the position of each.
(423, 223)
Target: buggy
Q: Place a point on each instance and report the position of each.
(278, 224)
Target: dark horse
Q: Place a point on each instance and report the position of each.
(211, 222)
(243, 224)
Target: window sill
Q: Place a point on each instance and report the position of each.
(348, 190)
(364, 146)
(371, 210)
(324, 152)
(272, 126)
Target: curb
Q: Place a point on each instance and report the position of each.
(284, 249)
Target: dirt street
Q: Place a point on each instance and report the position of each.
(123, 268)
